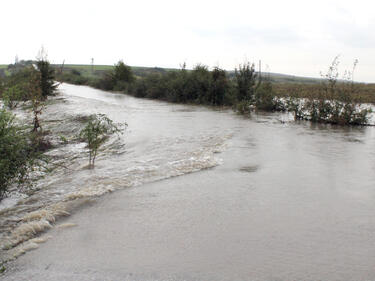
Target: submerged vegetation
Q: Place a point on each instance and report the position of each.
(97, 130)
(23, 144)
(334, 102)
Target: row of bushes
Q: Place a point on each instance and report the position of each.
(198, 86)
(334, 102)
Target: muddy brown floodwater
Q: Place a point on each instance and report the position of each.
(257, 199)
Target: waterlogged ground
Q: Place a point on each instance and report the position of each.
(281, 200)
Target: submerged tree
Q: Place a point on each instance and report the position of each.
(35, 94)
(47, 82)
(48, 85)
(97, 130)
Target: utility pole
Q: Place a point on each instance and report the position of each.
(92, 65)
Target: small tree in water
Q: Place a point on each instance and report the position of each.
(97, 130)
(47, 75)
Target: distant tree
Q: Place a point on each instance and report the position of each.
(117, 79)
(265, 97)
(97, 130)
(123, 72)
(48, 85)
(219, 86)
(198, 85)
(246, 82)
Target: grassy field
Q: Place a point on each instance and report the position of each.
(97, 70)
(363, 93)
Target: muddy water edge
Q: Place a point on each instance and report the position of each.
(270, 199)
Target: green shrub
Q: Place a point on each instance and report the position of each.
(246, 82)
(97, 130)
(47, 78)
(18, 155)
(12, 96)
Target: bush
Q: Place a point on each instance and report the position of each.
(18, 156)
(47, 78)
(219, 87)
(243, 107)
(335, 102)
(265, 98)
(97, 130)
(12, 96)
(246, 82)
(117, 79)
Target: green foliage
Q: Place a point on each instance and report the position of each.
(97, 130)
(246, 82)
(123, 73)
(23, 85)
(74, 77)
(332, 101)
(119, 78)
(18, 156)
(265, 98)
(12, 96)
(199, 86)
(19, 82)
(47, 78)
(219, 87)
(335, 102)
(243, 107)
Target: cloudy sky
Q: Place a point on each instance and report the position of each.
(291, 37)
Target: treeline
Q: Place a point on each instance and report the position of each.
(198, 86)
(332, 101)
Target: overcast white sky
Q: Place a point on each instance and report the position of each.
(291, 37)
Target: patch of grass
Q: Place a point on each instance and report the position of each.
(364, 93)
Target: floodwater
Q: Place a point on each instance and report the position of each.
(260, 198)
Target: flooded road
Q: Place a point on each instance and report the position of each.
(269, 199)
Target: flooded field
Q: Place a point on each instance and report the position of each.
(269, 199)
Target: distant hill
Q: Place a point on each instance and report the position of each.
(141, 71)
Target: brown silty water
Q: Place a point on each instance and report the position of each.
(270, 199)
